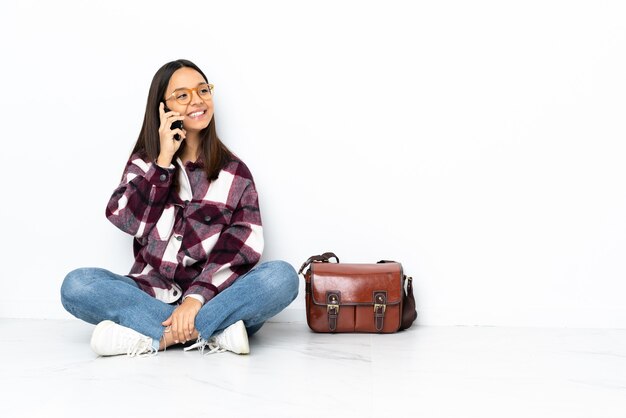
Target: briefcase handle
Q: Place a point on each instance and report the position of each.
(324, 258)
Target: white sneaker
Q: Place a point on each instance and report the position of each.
(234, 338)
(111, 339)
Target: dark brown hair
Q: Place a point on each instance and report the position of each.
(214, 153)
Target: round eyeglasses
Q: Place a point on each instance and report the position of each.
(183, 95)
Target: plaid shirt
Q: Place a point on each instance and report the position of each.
(195, 241)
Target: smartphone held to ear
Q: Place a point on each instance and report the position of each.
(176, 125)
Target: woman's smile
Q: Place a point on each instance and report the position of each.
(197, 114)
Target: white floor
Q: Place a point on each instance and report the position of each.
(48, 370)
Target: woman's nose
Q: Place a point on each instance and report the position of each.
(195, 97)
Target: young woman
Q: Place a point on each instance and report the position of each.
(192, 208)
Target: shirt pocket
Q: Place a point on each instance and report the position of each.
(207, 221)
(203, 214)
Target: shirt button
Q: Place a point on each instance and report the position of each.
(207, 219)
(163, 177)
(186, 202)
(179, 237)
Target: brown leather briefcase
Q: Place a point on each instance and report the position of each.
(357, 297)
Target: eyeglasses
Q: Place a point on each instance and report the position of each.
(183, 95)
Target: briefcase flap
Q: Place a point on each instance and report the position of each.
(356, 284)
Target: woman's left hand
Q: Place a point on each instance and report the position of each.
(182, 320)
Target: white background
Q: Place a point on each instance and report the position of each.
(479, 143)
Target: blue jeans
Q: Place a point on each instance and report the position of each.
(95, 294)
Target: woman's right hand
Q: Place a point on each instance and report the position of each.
(169, 145)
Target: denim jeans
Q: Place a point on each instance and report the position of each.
(95, 294)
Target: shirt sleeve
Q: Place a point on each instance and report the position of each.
(237, 250)
(137, 203)
(199, 298)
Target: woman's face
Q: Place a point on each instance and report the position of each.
(199, 111)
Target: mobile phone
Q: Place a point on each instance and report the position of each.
(176, 125)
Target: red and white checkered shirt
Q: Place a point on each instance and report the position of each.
(195, 241)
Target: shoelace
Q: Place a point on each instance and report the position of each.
(201, 344)
(142, 348)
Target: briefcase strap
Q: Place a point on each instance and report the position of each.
(380, 306)
(324, 258)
